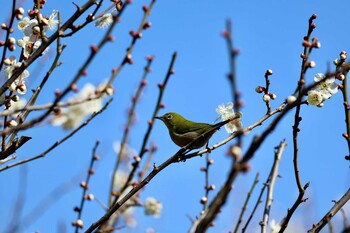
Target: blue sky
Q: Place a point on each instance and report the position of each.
(269, 36)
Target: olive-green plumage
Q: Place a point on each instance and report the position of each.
(183, 131)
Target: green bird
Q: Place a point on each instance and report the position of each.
(183, 131)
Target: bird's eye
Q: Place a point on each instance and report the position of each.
(169, 117)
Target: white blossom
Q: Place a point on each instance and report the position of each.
(71, 117)
(314, 97)
(275, 227)
(52, 21)
(129, 218)
(153, 207)
(29, 28)
(10, 69)
(327, 87)
(104, 21)
(28, 46)
(226, 113)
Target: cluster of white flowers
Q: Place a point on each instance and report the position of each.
(11, 65)
(322, 91)
(72, 116)
(226, 113)
(31, 32)
(153, 207)
(30, 42)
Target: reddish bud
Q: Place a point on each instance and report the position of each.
(246, 167)
(161, 86)
(84, 185)
(260, 89)
(74, 87)
(111, 38)
(145, 8)
(146, 25)
(347, 157)
(128, 59)
(225, 34)
(150, 58)
(132, 33)
(313, 16)
(84, 73)
(12, 47)
(57, 93)
(306, 43)
(94, 48)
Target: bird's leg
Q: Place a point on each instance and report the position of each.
(181, 155)
(207, 147)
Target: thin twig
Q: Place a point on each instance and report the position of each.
(150, 126)
(244, 208)
(53, 146)
(8, 32)
(270, 188)
(131, 118)
(329, 215)
(87, 180)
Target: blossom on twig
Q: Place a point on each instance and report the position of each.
(227, 112)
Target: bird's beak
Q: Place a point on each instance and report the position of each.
(158, 117)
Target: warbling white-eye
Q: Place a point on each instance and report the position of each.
(183, 131)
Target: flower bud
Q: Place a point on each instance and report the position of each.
(312, 64)
(204, 200)
(266, 98)
(36, 30)
(7, 61)
(259, 89)
(11, 40)
(269, 72)
(343, 56)
(336, 61)
(291, 99)
(12, 123)
(273, 96)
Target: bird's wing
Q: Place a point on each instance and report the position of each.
(189, 126)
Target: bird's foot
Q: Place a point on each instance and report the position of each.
(181, 157)
(208, 149)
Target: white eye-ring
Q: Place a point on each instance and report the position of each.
(169, 117)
